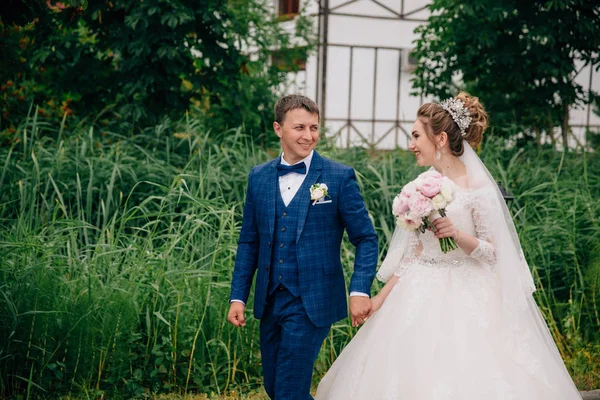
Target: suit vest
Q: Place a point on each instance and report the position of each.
(284, 264)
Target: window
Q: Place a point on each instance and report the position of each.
(288, 8)
(409, 60)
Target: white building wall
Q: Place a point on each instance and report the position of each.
(368, 98)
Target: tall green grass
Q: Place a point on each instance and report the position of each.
(116, 254)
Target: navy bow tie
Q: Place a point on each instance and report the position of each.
(286, 169)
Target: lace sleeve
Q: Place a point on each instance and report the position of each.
(414, 251)
(485, 251)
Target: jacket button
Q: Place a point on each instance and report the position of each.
(269, 244)
(285, 214)
(283, 229)
(280, 261)
(280, 244)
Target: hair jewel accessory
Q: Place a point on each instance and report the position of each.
(456, 108)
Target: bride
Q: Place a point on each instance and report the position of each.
(460, 325)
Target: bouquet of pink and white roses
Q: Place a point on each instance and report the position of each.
(416, 206)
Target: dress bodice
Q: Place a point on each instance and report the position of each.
(469, 212)
(460, 211)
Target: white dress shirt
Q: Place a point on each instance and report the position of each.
(289, 184)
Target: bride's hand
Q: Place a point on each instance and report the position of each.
(445, 228)
(376, 303)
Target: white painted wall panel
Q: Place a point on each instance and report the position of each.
(395, 109)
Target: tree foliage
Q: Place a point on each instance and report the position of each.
(519, 57)
(144, 60)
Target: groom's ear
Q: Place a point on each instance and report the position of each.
(277, 129)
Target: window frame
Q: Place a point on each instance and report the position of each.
(288, 8)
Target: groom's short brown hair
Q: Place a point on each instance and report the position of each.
(292, 102)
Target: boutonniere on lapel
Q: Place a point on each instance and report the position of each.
(318, 192)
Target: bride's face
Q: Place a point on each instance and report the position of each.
(421, 145)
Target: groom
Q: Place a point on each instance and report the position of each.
(293, 243)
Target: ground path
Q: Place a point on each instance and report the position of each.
(592, 395)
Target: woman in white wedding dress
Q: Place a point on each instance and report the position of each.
(461, 325)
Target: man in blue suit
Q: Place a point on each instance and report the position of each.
(297, 207)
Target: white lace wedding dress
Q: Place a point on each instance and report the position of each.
(439, 334)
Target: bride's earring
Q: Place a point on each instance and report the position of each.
(438, 154)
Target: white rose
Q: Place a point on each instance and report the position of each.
(413, 222)
(410, 187)
(439, 202)
(402, 223)
(324, 187)
(317, 194)
(446, 192)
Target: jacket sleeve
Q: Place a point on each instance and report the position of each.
(247, 251)
(360, 232)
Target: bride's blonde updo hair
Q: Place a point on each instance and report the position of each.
(437, 120)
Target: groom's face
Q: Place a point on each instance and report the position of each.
(299, 134)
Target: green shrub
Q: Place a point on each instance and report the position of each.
(117, 253)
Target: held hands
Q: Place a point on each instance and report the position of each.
(360, 309)
(236, 314)
(376, 303)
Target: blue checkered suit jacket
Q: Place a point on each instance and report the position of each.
(318, 240)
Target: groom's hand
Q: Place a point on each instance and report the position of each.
(360, 307)
(236, 314)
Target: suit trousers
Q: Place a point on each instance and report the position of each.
(289, 345)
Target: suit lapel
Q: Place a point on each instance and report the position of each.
(271, 192)
(316, 165)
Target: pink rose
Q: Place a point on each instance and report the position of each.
(409, 190)
(430, 175)
(429, 183)
(420, 206)
(431, 188)
(400, 205)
